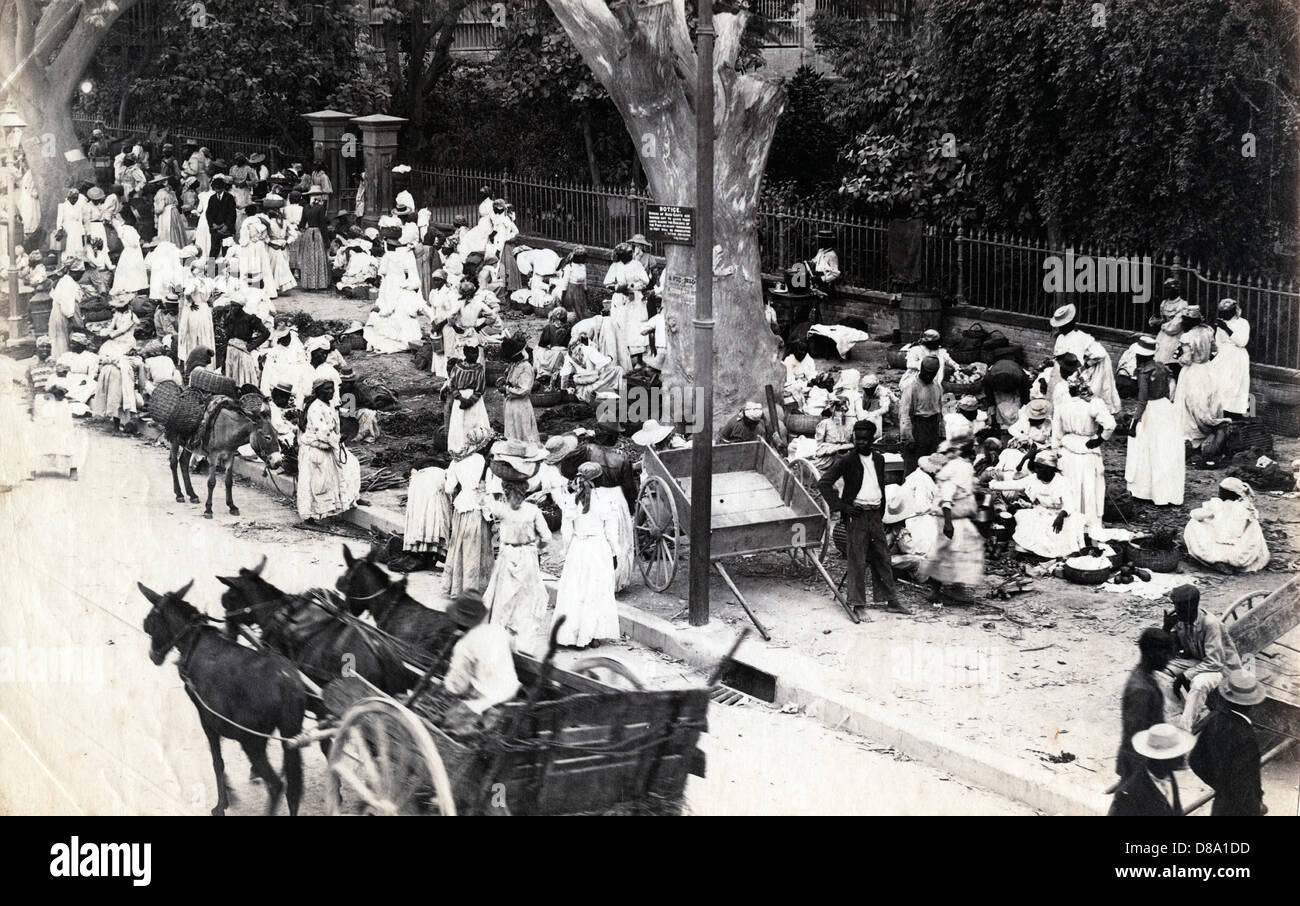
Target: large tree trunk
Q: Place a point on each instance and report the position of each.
(643, 56)
(44, 48)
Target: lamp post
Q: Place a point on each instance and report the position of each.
(702, 444)
(12, 126)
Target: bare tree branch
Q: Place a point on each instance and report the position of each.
(82, 42)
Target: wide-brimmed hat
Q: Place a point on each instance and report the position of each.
(930, 464)
(1227, 304)
(354, 327)
(95, 194)
(284, 386)
(508, 470)
(1241, 688)
(403, 210)
(1163, 742)
(256, 158)
(640, 240)
(467, 609)
(968, 403)
(1193, 312)
(220, 180)
(1039, 408)
(1146, 345)
(1063, 315)
(560, 446)
(512, 345)
(402, 168)
(651, 433)
(524, 458)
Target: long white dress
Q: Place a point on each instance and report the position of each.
(1101, 375)
(202, 234)
(626, 310)
(613, 507)
(396, 325)
(585, 596)
(469, 556)
(1155, 465)
(428, 511)
(1074, 422)
(516, 596)
(1198, 395)
(1227, 533)
(1231, 366)
(194, 320)
(165, 270)
(131, 274)
(1034, 524)
(320, 480)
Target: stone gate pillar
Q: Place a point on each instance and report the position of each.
(379, 144)
(327, 129)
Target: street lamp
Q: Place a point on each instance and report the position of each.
(12, 126)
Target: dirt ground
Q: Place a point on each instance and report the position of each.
(1037, 676)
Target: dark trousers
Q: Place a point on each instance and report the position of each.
(867, 547)
(927, 432)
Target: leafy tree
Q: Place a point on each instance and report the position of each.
(804, 164)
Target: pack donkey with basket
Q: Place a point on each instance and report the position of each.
(209, 420)
(240, 693)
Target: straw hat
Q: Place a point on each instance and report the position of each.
(1163, 742)
(651, 433)
(1039, 408)
(931, 464)
(1241, 688)
(524, 458)
(560, 446)
(1146, 345)
(1063, 315)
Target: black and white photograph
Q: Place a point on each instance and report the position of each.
(652, 408)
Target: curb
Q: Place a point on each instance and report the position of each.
(803, 684)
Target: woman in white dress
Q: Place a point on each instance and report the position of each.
(1224, 532)
(585, 597)
(194, 320)
(1155, 467)
(1080, 425)
(444, 304)
(428, 516)
(1231, 365)
(1095, 364)
(628, 278)
(394, 322)
(469, 556)
(131, 275)
(1045, 527)
(516, 596)
(321, 491)
(202, 234)
(167, 214)
(278, 236)
(165, 269)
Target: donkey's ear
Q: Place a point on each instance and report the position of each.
(150, 595)
(181, 592)
(372, 554)
(257, 570)
(228, 581)
(347, 556)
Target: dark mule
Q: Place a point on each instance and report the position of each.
(320, 643)
(225, 433)
(367, 587)
(256, 690)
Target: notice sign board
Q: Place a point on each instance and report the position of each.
(670, 223)
(679, 289)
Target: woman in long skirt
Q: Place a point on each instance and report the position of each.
(469, 556)
(1225, 533)
(517, 387)
(131, 275)
(1197, 395)
(956, 566)
(428, 515)
(466, 410)
(167, 212)
(1155, 467)
(585, 597)
(194, 327)
(516, 597)
(1231, 364)
(612, 505)
(320, 446)
(310, 255)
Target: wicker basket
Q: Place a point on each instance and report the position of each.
(804, 425)
(1085, 576)
(163, 401)
(1156, 561)
(1282, 419)
(974, 388)
(212, 382)
(545, 399)
(495, 369)
(967, 356)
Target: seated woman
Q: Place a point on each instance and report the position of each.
(1224, 532)
(548, 357)
(115, 397)
(1044, 527)
(587, 371)
(911, 510)
(800, 369)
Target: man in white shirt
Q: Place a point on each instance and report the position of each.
(482, 669)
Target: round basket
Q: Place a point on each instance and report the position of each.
(798, 423)
(1283, 396)
(967, 356)
(495, 369)
(1085, 576)
(974, 388)
(545, 399)
(1156, 561)
(896, 358)
(212, 382)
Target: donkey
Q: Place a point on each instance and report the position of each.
(239, 693)
(321, 644)
(367, 587)
(218, 439)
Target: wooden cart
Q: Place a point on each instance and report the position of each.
(758, 505)
(571, 745)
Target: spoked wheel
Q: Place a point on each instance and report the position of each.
(609, 671)
(657, 529)
(384, 762)
(807, 475)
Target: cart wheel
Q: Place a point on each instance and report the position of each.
(383, 762)
(807, 475)
(657, 529)
(593, 666)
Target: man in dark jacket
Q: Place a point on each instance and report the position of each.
(1152, 791)
(1143, 704)
(1227, 753)
(221, 213)
(862, 507)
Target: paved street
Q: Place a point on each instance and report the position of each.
(89, 725)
